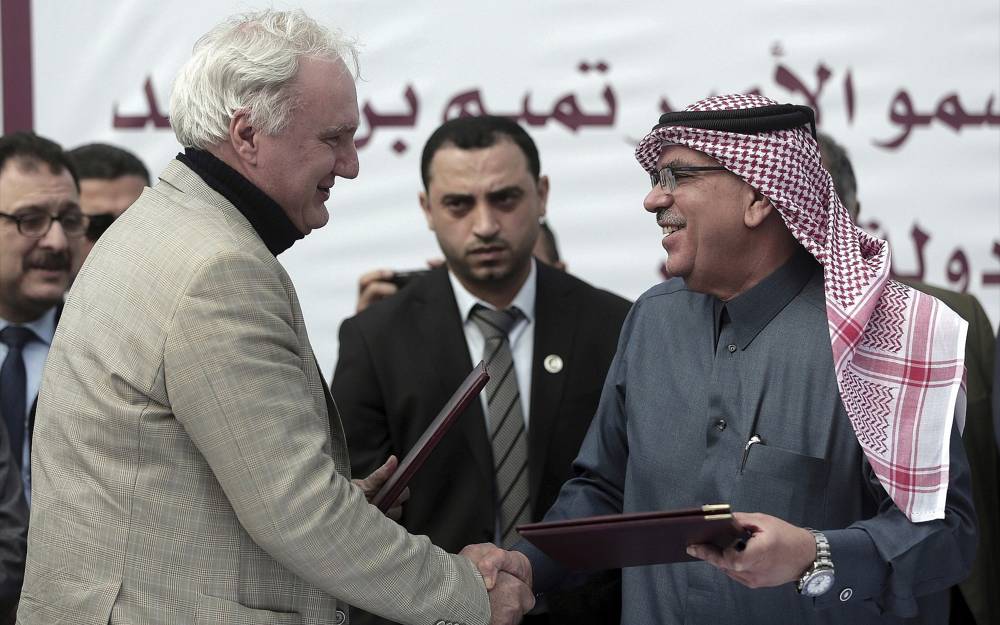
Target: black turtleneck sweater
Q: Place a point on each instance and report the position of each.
(273, 226)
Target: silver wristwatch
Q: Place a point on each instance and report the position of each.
(819, 577)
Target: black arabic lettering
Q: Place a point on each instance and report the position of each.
(465, 104)
(902, 114)
(958, 270)
(849, 96)
(530, 118)
(378, 120)
(993, 277)
(154, 116)
(949, 112)
(784, 77)
(567, 112)
(920, 239)
(989, 117)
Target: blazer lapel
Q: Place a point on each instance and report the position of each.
(555, 327)
(447, 352)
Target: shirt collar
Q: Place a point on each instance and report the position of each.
(523, 301)
(750, 312)
(44, 327)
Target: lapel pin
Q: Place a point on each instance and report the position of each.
(553, 363)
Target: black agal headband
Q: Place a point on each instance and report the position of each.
(747, 121)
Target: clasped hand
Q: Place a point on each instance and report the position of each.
(507, 575)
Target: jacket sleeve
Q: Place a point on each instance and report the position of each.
(360, 401)
(236, 380)
(889, 561)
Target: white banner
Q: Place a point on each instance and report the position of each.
(911, 89)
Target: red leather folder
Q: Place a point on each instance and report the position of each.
(460, 400)
(620, 540)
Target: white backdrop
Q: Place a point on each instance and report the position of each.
(588, 80)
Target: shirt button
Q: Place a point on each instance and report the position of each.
(846, 594)
(720, 424)
(732, 348)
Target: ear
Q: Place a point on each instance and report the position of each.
(243, 137)
(543, 194)
(425, 205)
(757, 212)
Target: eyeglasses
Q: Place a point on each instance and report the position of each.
(36, 224)
(667, 177)
(98, 224)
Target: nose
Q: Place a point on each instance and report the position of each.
(348, 165)
(485, 225)
(55, 238)
(657, 199)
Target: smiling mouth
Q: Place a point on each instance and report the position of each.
(669, 230)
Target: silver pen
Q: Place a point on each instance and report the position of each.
(746, 450)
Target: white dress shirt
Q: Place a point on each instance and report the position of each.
(521, 336)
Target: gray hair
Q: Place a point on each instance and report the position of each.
(248, 63)
(839, 165)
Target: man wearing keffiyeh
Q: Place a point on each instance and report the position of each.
(780, 370)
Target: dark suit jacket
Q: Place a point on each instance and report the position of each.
(13, 516)
(401, 359)
(13, 528)
(981, 591)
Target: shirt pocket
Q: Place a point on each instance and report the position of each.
(782, 483)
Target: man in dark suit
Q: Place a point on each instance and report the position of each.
(40, 229)
(402, 357)
(975, 600)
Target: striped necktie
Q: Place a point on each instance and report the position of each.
(508, 435)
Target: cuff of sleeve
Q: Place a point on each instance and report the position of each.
(859, 571)
(545, 572)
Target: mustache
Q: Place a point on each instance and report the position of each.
(484, 244)
(50, 261)
(665, 218)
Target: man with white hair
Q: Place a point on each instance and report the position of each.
(190, 466)
(781, 371)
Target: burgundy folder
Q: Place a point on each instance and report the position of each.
(460, 400)
(620, 540)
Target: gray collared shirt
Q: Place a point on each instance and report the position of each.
(693, 380)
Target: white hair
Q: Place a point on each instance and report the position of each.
(248, 63)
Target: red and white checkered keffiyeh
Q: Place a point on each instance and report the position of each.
(898, 353)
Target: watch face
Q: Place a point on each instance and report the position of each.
(819, 583)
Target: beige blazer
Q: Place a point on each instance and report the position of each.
(184, 466)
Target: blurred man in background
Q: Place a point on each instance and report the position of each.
(111, 179)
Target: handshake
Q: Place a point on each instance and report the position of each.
(507, 575)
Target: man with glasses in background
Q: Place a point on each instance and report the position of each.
(111, 178)
(41, 226)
